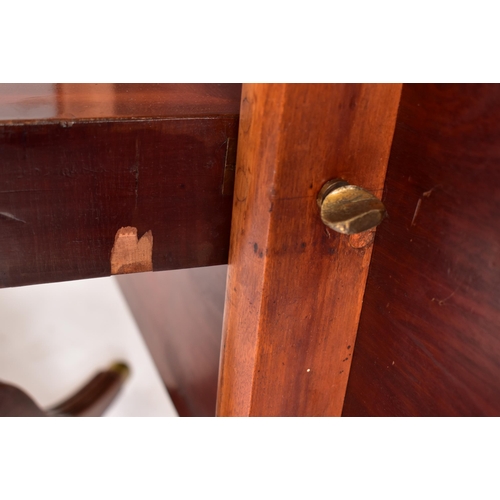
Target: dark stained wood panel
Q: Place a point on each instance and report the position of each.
(429, 336)
(66, 188)
(179, 314)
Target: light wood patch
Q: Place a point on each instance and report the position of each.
(130, 255)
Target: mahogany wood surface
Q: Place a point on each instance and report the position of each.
(90, 401)
(150, 157)
(95, 396)
(429, 334)
(179, 314)
(295, 288)
(14, 402)
(94, 101)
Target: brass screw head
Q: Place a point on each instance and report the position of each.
(349, 209)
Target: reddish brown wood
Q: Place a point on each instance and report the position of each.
(95, 396)
(295, 288)
(90, 401)
(179, 314)
(16, 403)
(70, 101)
(428, 341)
(69, 183)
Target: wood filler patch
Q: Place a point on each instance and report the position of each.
(130, 255)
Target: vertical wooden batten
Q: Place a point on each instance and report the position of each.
(295, 288)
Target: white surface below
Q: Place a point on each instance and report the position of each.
(55, 337)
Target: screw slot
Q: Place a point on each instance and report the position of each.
(349, 209)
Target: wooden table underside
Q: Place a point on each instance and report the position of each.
(81, 162)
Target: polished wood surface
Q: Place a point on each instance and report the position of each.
(90, 401)
(79, 164)
(179, 314)
(70, 101)
(295, 288)
(95, 396)
(428, 341)
(14, 402)
(68, 186)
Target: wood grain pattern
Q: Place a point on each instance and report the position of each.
(179, 314)
(295, 288)
(91, 101)
(428, 341)
(68, 186)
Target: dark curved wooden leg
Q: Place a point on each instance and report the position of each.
(16, 403)
(93, 399)
(90, 401)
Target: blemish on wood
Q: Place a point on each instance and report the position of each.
(229, 167)
(428, 193)
(417, 209)
(131, 255)
(9, 216)
(362, 240)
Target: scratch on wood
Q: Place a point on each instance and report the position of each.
(130, 255)
(417, 208)
(135, 171)
(11, 217)
(428, 193)
(229, 167)
(441, 302)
